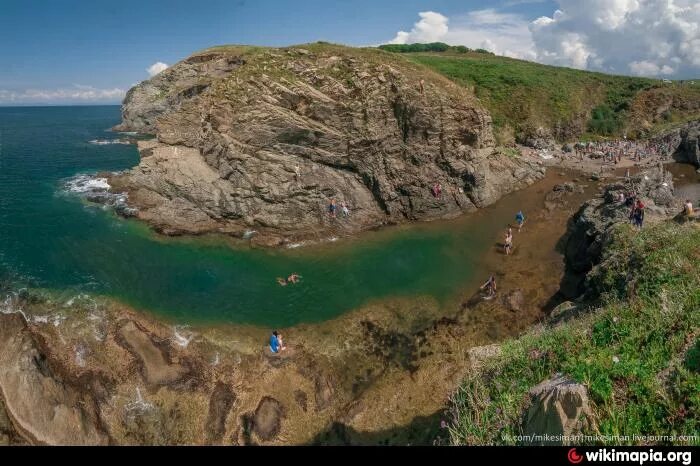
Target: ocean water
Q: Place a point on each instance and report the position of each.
(51, 238)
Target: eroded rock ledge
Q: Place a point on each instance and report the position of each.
(255, 141)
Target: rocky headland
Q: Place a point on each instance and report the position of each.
(257, 142)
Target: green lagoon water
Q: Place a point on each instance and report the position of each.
(51, 238)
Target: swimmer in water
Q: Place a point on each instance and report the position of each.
(489, 286)
(281, 281)
(520, 218)
(508, 245)
(293, 278)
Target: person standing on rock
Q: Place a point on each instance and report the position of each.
(422, 86)
(297, 172)
(332, 208)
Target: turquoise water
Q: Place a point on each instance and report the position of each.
(53, 239)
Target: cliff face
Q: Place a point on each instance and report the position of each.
(262, 140)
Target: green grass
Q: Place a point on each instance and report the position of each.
(522, 96)
(648, 320)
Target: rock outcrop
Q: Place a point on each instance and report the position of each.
(258, 142)
(589, 229)
(689, 149)
(560, 409)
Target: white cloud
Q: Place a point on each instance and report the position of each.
(641, 37)
(77, 94)
(432, 27)
(156, 68)
(502, 33)
(647, 68)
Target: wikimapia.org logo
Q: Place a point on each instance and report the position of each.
(638, 457)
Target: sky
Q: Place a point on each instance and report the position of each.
(92, 52)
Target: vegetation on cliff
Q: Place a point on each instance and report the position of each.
(637, 352)
(567, 103)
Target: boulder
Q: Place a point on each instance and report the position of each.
(559, 407)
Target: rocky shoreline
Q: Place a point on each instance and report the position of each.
(117, 376)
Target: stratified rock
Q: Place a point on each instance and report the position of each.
(43, 406)
(267, 419)
(689, 149)
(264, 139)
(157, 370)
(560, 407)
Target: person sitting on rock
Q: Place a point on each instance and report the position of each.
(344, 209)
(276, 344)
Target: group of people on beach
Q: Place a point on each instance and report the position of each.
(613, 151)
(490, 286)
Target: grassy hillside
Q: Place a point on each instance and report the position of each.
(523, 96)
(638, 355)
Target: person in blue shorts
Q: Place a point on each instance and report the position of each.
(276, 344)
(520, 218)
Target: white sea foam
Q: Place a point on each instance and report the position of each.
(106, 142)
(180, 339)
(86, 184)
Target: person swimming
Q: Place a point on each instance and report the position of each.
(508, 245)
(281, 281)
(489, 286)
(293, 278)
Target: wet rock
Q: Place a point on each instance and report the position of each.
(559, 407)
(157, 370)
(45, 407)
(514, 300)
(220, 404)
(267, 420)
